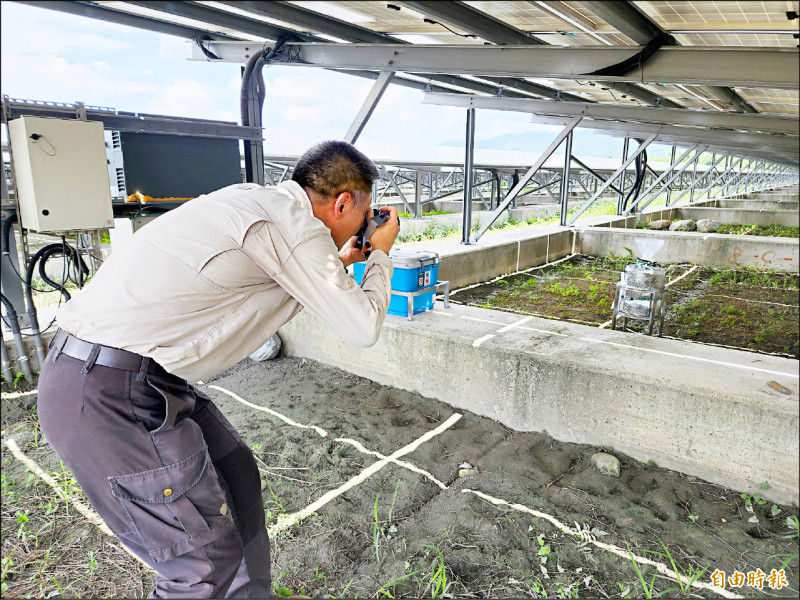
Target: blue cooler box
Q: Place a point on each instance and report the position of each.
(413, 270)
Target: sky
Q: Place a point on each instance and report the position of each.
(54, 56)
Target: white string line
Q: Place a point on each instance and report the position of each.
(661, 568)
(82, 508)
(12, 395)
(708, 360)
(485, 338)
(480, 340)
(357, 445)
(717, 362)
(286, 521)
(513, 325)
(278, 415)
(400, 463)
(677, 279)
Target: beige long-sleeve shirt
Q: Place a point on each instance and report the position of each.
(203, 286)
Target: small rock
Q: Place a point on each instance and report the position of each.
(684, 225)
(465, 469)
(660, 224)
(607, 463)
(708, 225)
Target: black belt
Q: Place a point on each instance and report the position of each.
(65, 343)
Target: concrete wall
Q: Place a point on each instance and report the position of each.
(700, 410)
(787, 218)
(497, 255)
(758, 204)
(711, 249)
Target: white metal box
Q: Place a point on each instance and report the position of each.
(61, 174)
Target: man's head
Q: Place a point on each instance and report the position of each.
(338, 180)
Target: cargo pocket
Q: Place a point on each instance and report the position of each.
(175, 508)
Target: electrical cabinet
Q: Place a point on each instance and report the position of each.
(61, 174)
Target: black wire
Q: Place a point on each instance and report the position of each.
(464, 35)
(209, 55)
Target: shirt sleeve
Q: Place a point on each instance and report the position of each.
(313, 274)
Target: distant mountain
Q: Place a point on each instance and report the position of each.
(584, 143)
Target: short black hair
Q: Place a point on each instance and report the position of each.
(333, 167)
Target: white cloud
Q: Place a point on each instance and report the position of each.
(170, 46)
(54, 32)
(186, 98)
(53, 78)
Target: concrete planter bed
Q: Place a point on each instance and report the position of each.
(738, 308)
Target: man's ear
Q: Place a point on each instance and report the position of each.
(341, 202)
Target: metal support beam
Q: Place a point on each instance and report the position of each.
(102, 13)
(565, 179)
(671, 161)
(720, 176)
(368, 107)
(616, 174)
(514, 192)
(694, 182)
(137, 122)
(468, 164)
(418, 194)
(691, 188)
(664, 175)
(621, 197)
(661, 116)
(691, 66)
(594, 174)
(466, 18)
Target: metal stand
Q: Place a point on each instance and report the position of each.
(412, 295)
(654, 313)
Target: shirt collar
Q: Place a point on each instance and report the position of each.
(297, 192)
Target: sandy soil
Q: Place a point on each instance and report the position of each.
(400, 533)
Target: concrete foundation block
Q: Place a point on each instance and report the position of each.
(701, 410)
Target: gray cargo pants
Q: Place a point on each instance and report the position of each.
(163, 468)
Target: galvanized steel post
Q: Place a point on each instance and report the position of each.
(565, 179)
(468, 163)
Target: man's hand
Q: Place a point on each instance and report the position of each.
(384, 236)
(351, 253)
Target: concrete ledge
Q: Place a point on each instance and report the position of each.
(787, 218)
(710, 249)
(700, 410)
(757, 204)
(498, 253)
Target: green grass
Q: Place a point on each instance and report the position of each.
(430, 213)
(760, 230)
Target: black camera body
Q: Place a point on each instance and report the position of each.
(368, 227)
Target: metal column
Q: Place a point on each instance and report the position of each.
(565, 180)
(468, 163)
(621, 197)
(418, 194)
(694, 180)
(671, 161)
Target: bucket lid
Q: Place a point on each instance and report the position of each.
(413, 259)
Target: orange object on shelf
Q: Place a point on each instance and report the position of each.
(142, 199)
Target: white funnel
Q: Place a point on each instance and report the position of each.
(648, 247)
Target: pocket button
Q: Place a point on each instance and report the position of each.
(168, 492)
(223, 510)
